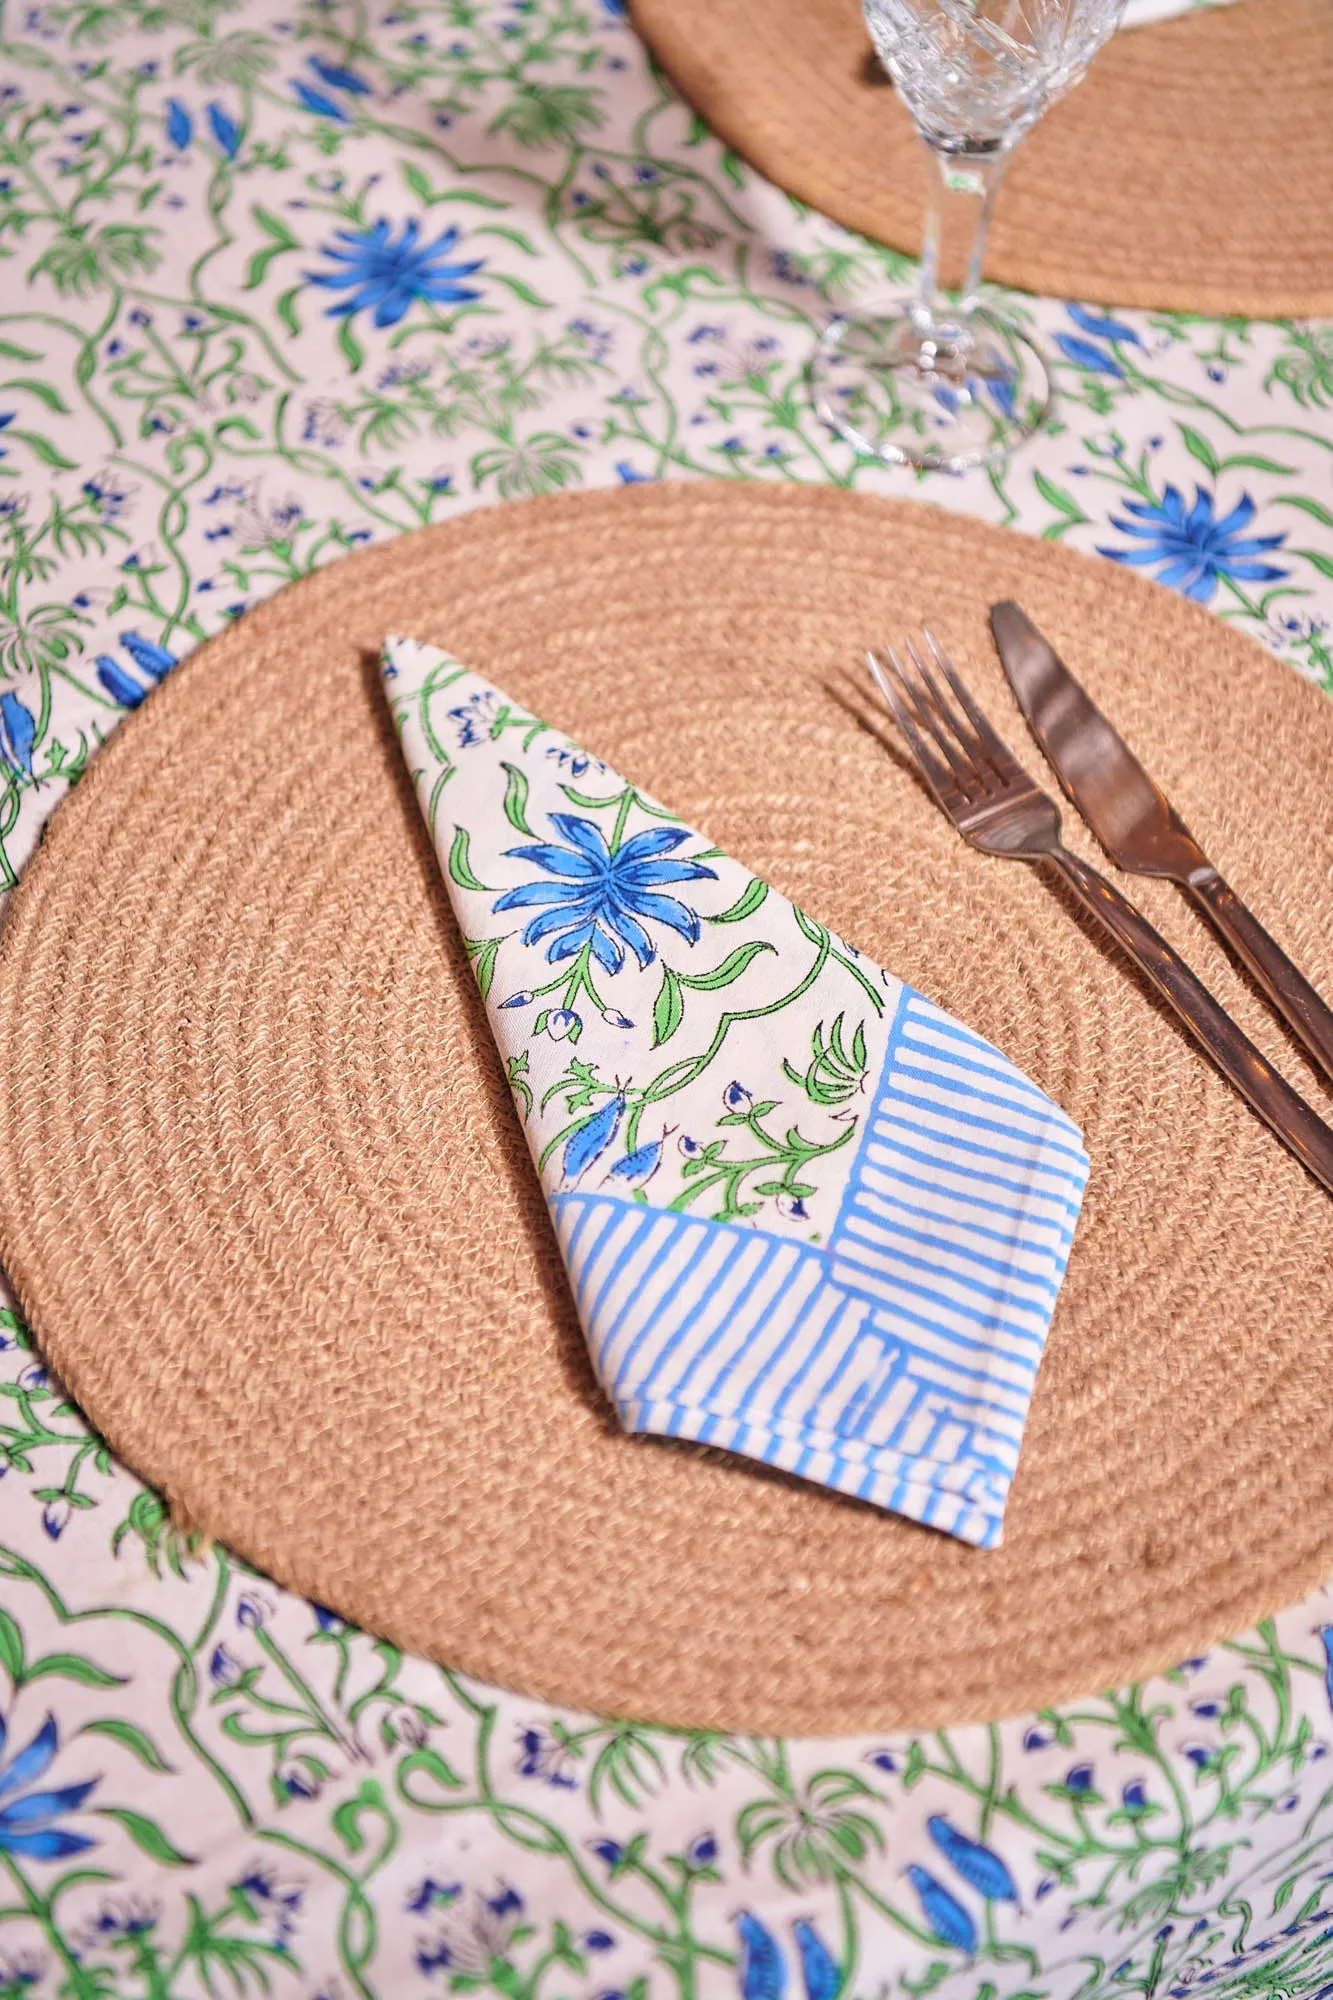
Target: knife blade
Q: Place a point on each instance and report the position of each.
(1137, 824)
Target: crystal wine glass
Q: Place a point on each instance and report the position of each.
(941, 382)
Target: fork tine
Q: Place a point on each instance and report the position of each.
(934, 773)
(950, 730)
(996, 750)
(926, 720)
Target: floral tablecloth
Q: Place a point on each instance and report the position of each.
(281, 281)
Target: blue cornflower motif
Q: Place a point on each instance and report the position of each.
(18, 734)
(28, 1818)
(947, 1917)
(603, 899)
(224, 1668)
(317, 101)
(338, 78)
(118, 684)
(377, 272)
(1003, 387)
(429, 1892)
(763, 1971)
(224, 129)
(1195, 549)
(129, 1919)
(820, 1972)
(637, 1168)
(298, 1781)
(542, 1755)
(1102, 326)
(180, 125)
(980, 1867)
(1085, 355)
(154, 660)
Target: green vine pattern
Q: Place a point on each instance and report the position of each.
(282, 281)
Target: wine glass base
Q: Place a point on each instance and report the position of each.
(912, 390)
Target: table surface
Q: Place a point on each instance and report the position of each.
(283, 281)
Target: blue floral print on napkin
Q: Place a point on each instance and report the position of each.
(806, 1215)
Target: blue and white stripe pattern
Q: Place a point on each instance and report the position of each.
(895, 1362)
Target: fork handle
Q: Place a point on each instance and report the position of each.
(1268, 1095)
(1288, 989)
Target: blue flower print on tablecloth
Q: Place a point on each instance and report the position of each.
(183, 431)
(385, 275)
(31, 1820)
(1191, 551)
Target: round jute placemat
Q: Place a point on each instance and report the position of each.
(265, 1200)
(1190, 170)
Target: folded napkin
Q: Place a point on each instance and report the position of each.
(806, 1215)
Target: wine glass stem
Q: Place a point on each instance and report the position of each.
(961, 189)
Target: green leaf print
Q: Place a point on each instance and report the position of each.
(147, 1835)
(459, 866)
(516, 799)
(128, 1734)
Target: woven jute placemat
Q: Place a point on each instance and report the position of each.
(1190, 170)
(265, 1199)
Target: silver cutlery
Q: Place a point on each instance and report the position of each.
(1136, 823)
(990, 799)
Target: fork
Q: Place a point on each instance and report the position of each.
(980, 786)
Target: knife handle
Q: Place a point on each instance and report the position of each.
(1268, 1095)
(1290, 992)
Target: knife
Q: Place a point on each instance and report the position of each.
(1137, 825)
